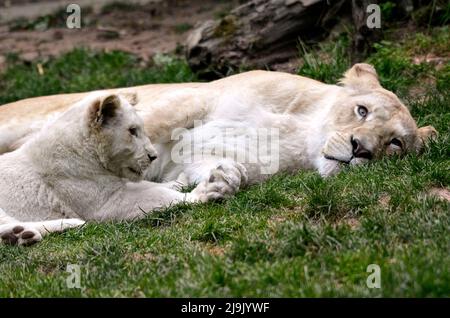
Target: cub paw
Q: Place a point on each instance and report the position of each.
(178, 185)
(17, 234)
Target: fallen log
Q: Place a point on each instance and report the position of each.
(257, 34)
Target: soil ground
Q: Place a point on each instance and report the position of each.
(37, 29)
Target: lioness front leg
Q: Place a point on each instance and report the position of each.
(221, 178)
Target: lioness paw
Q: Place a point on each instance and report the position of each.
(207, 191)
(225, 180)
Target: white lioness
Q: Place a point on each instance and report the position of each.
(315, 125)
(85, 164)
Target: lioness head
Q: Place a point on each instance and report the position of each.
(368, 122)
(118, 133)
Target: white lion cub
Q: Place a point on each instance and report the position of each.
(85, 164)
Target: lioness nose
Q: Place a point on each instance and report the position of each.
(152, 157)
(359, 151)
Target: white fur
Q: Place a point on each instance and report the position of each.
(77, 168)
(316, 122)
(302, 136)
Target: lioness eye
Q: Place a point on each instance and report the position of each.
(133, 131)
(362, 111)
(396, 142)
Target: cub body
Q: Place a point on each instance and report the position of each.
(85, 164)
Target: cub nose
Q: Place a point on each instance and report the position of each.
(152, 157)
(359, 151)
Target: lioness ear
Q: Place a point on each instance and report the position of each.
(362, 75)
(424, 135)
(103, 109)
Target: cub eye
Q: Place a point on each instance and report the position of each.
(133, 131)
(362, 111)
(396, 142)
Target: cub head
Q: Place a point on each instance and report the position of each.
(368, 122)
(118, 136)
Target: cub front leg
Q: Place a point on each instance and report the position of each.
(139, 199)
(28, 233)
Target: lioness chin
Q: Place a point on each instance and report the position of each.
(313, 125)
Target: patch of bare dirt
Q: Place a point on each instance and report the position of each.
(147, 257)
(290, 66)
(215, 250)
(420, 90)
(141, 29)
(437, 61)
(440, 193)
(384, 200)
(352, 222)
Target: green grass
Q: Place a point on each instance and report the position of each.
(82, 70)
(292, 236)
(393, 59)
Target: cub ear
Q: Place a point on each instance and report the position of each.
(131, 97)
(425, 134)
(103, 109)
(361, 76)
